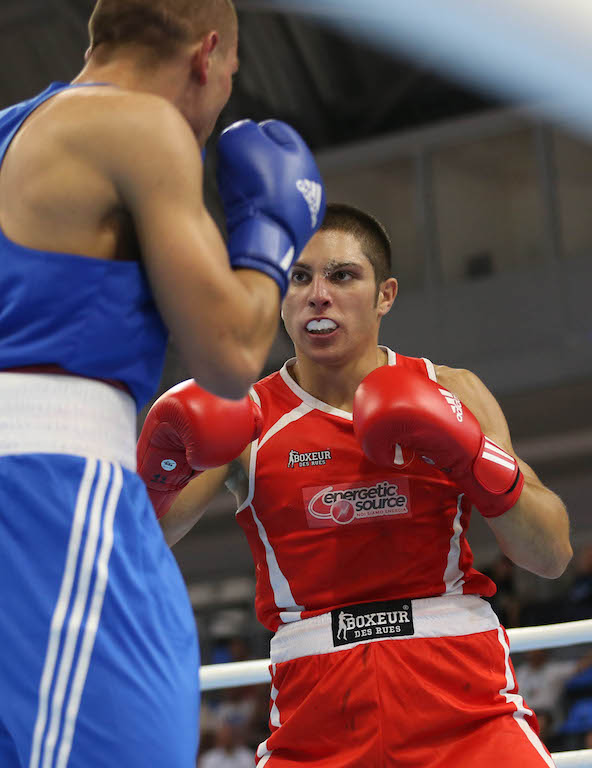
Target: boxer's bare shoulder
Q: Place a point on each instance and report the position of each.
(473, 393)
(83, 159)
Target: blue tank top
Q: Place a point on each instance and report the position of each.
(91, 317)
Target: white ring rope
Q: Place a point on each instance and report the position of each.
(581, 758)
(240, 673)
(550, 636)
(235, 674)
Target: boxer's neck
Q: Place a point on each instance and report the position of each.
(127, 71)
(336, 383)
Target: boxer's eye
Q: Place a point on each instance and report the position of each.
(299, 276)
(342, 276)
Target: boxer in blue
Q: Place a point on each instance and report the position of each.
(105, 245)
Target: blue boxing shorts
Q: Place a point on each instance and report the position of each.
(98, 645)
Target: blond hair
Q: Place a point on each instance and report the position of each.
(160, 26)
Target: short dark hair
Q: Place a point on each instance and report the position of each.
(161, 26)
(368, 231)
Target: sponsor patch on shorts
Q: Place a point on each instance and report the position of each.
(372, 621)
(328, 506)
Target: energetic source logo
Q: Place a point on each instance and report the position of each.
(332, 505)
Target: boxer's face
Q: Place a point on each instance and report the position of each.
(331, 311)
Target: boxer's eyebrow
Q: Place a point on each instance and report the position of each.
(337, 266)
(333, 265)
(329, 267)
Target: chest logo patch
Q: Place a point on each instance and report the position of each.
(332, 505)
(312, 459)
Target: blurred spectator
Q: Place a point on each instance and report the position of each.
(230, 711)
(208, 724)
(580, 685)
(578, 602)
(578, 725)
(505, 602)
(230, 750)
(541, 680)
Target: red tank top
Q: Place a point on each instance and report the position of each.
(328, 529)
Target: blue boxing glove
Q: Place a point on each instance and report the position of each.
(273, 196)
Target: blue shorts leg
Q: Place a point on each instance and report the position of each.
(9, 757)
(99, 661)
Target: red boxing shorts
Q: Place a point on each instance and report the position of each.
(440, 692)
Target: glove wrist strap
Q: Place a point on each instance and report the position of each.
(495, 482)
(261, 244)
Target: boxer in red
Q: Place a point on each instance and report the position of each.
(356, 499)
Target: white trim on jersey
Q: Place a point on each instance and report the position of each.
(391, 357)
(252, 461)
(430, 369)
(287, 418)
(255, 396)
(454, 578)
(521, 710)
(282, 593)
(309, 400)
(313, 402)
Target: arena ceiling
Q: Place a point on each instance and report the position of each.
(332, 88)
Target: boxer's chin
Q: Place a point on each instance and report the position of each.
(324, 348)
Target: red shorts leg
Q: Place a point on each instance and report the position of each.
(446, 702)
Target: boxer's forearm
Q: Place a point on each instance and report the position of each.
(534, 534)
(258, 325)
(189, 507)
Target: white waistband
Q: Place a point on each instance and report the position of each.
(444, 616)
(50, 413)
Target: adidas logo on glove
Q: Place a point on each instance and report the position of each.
(313, 194)
(454, 403)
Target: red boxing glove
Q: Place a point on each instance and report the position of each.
(394, 406)
(187, 431)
